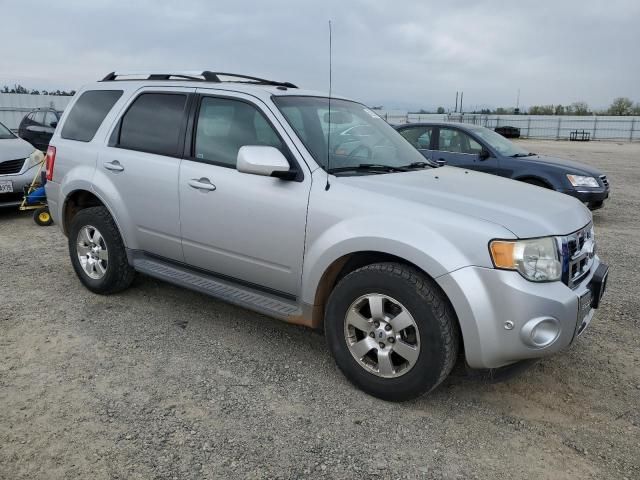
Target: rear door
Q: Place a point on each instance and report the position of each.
(249, 228)
(142, 163)
(421, 137)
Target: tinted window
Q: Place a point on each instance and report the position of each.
(419, 137)
(88, 113)
(226, 125)
(153, 123)
(451, 140)
(38, 117)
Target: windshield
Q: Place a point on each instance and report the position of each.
(499, 143)
(5, 133)
(358, 137)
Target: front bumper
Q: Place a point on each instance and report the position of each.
(19, 181)
(497, 308)
(592, 198)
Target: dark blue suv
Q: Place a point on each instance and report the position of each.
(478, 148)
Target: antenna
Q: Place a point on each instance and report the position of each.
(326, 187)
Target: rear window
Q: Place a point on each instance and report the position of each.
(88, 113)
(153, 123)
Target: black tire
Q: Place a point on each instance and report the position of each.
(435, 319)
(119, 274)
(42, 217)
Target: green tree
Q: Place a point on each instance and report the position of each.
(580, 108)
(621, 106)
(559, 110)
(440, 110)
(636, 109)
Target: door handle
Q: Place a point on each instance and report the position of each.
(113, 166)
(202, 184)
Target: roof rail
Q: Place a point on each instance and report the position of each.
(202, 76)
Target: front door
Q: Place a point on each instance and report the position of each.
(244, 227)
(457, 148)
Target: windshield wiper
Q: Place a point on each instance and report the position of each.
(368, 167)
(420, 165)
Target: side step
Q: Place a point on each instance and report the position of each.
(252, 299)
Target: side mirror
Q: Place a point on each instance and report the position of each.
(484, 154)
(53, 124)
(265, 161)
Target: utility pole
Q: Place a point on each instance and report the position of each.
(456, 110)
(461, 97)
(517, 110)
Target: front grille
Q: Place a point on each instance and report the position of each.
(605, 182)
(11, 166)
(578, 250)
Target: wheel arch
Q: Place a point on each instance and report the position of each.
(526, 178)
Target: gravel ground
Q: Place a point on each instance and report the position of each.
(159, 382)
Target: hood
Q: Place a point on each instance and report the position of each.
(526, 210)
(567, 166)
(14, 148)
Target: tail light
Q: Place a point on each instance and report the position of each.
(50, 161)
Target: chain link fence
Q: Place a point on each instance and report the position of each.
(538, 126)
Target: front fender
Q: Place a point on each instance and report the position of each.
(427, 248)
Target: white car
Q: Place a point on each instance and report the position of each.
(17, 167)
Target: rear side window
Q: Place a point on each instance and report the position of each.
(87, 114)
(153, 123)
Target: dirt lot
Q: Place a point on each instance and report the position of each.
(159, 382)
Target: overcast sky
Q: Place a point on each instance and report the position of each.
(409, 53)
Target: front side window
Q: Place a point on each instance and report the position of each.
(87, 114)
(456, 141)
(351, 135)
(499, 143)
(419, 137)
(225, 125)
(153, 123)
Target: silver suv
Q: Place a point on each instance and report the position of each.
(266, 196)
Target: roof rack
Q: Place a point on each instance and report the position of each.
(201, 76)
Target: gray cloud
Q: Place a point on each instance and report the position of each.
(404, 54)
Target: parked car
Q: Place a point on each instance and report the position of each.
(478, 148)
(17, 167)
(38, 126)
(227, 187)
(508, 132)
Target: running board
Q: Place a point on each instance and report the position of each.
(252, 299)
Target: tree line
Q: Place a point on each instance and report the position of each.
(621, 106)
(20, 89)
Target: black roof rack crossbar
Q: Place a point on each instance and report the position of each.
(204, 76)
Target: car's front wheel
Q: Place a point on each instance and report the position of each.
(97, 252)
(391, 331)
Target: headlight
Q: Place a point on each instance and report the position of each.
(35, 158)
(537, 260)
(582, 181)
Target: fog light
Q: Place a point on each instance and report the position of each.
(540, 332)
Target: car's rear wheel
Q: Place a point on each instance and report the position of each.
(391, 331)
(97, 252)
